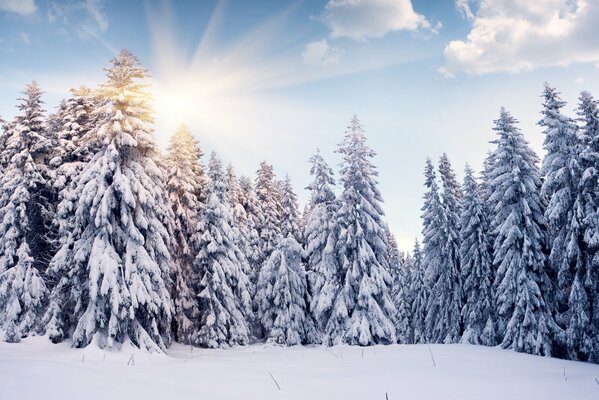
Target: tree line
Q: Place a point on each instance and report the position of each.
(106, 239)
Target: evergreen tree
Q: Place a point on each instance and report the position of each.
(248, 221)
(24, 212)
(185, 183)
(223, 292)
(113, 268)
(582, 335)
(289, 211)
(282, 297)
(524, 320)
(419, 295)
(268, 225)
(476, 264)
(445, 302)
(400, 292)
(362, 312)
(562, 175)
(320, 235)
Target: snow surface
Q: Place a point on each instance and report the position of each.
(37, 369)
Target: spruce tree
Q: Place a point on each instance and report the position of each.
(419, 296)
(113, 269)
(223, 288)
(582, 335)
(248, 221)
(562, 175)
(24, 211)
(185, 183)
(282, 297)
(400, 292)
(443, 322)
(524, 321)
(362, 312)
(269, 202)
(476, 264)
(320, 234)
(289, 211)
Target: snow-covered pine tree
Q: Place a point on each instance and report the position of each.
(400, 292)
(24, 213)
(432, 220)
(363, 312)
(443, 322)
(289, 211)
(582, 335)
(419, 295)
(268, 225)
(477, 268)
(114, 275)
(565, 225)
(320, 235)
(74, 121)
(524, 321)
(282, 296)
(185, 183)
(223, 289)
(248, 220)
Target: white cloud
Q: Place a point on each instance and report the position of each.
(364, 19)
(464, 8)
(320, 52)
(514, 36)
(22, 7)
(88, 15)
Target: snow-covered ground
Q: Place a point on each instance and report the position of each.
(36, 369)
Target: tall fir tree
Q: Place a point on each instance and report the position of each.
(25, 208)
(363, 312)
(561, 185)
(477, 268)
(525, 322)
(320, 235)
(582, 335)
(223, 288)
(443, 322)
(185, 183)
(113, 278)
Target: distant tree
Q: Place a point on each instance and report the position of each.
(289, 211)
(477, 267)
(443, 322)
(185, 184)
(582, 317)
(248, 221)
(269, 201)
(282, 297)
(418, 295)
(401, 267)
(223, 289)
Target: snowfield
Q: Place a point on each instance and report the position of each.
(37, 369)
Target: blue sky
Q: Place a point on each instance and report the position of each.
(274, 80)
